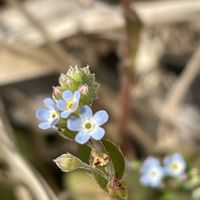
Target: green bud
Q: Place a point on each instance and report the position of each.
(117, 189)
(80, 79)
(68, 162)
(63, 80)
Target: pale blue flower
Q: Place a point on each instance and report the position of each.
(88, 125)
(152, 173)
(174, 165)
(48, 116)
(69, 103)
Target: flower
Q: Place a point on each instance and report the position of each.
(49, 115)
(152, 172)
(174, 165)
(81, 79)
(88, 125)
(69, 103)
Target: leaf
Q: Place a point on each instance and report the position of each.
(116, 157)
(102, 182)
(69, 135)
(68, 162)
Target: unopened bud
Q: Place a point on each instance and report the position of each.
(80, 79)
(63, 80)
(84, 89)
(56, 93)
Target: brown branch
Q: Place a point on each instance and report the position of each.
(127, 72)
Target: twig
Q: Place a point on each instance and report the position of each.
(151, 13)
(132, 28)
(182, 85)
(168, 123)
(37, 54)
(58, 52)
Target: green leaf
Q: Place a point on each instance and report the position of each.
(69, 135)
(101, 181)
(67, 162)
(116, 157)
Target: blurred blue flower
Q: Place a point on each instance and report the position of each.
(152, 172)
(88, 125)
(69, 103)
(174, 165)
(48, 116)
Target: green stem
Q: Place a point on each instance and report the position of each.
(97, 171)
(98, 145)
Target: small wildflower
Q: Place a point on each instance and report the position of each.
(69, 103)
(152, 173)
(49, 115)
(174, 165)
(88, 125)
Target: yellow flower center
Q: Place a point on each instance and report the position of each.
(53, 115)
(174, 166)
(88, 126)
(153, 174)
(70, 104)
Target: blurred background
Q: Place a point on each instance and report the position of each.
(154, 105)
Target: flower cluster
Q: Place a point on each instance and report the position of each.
(153, 172)
(69, 108)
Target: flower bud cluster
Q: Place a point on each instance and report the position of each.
(69, 109)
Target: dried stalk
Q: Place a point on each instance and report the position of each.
(57, 51)
(19, 169)
(181, 86)
(127, 73)
(168, 122)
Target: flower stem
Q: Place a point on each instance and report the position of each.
(125, 97)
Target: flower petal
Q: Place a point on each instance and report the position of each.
(67, 95)
(85, 112)
(101, 117)
(149, 163)
(45, 125)
(49, 103)
(98, 133)
(42, 114)
(144, 180)
(61, 105)
(82, 137)
(74, 124)
(54, 121)
(77, 96)
(65, 114)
